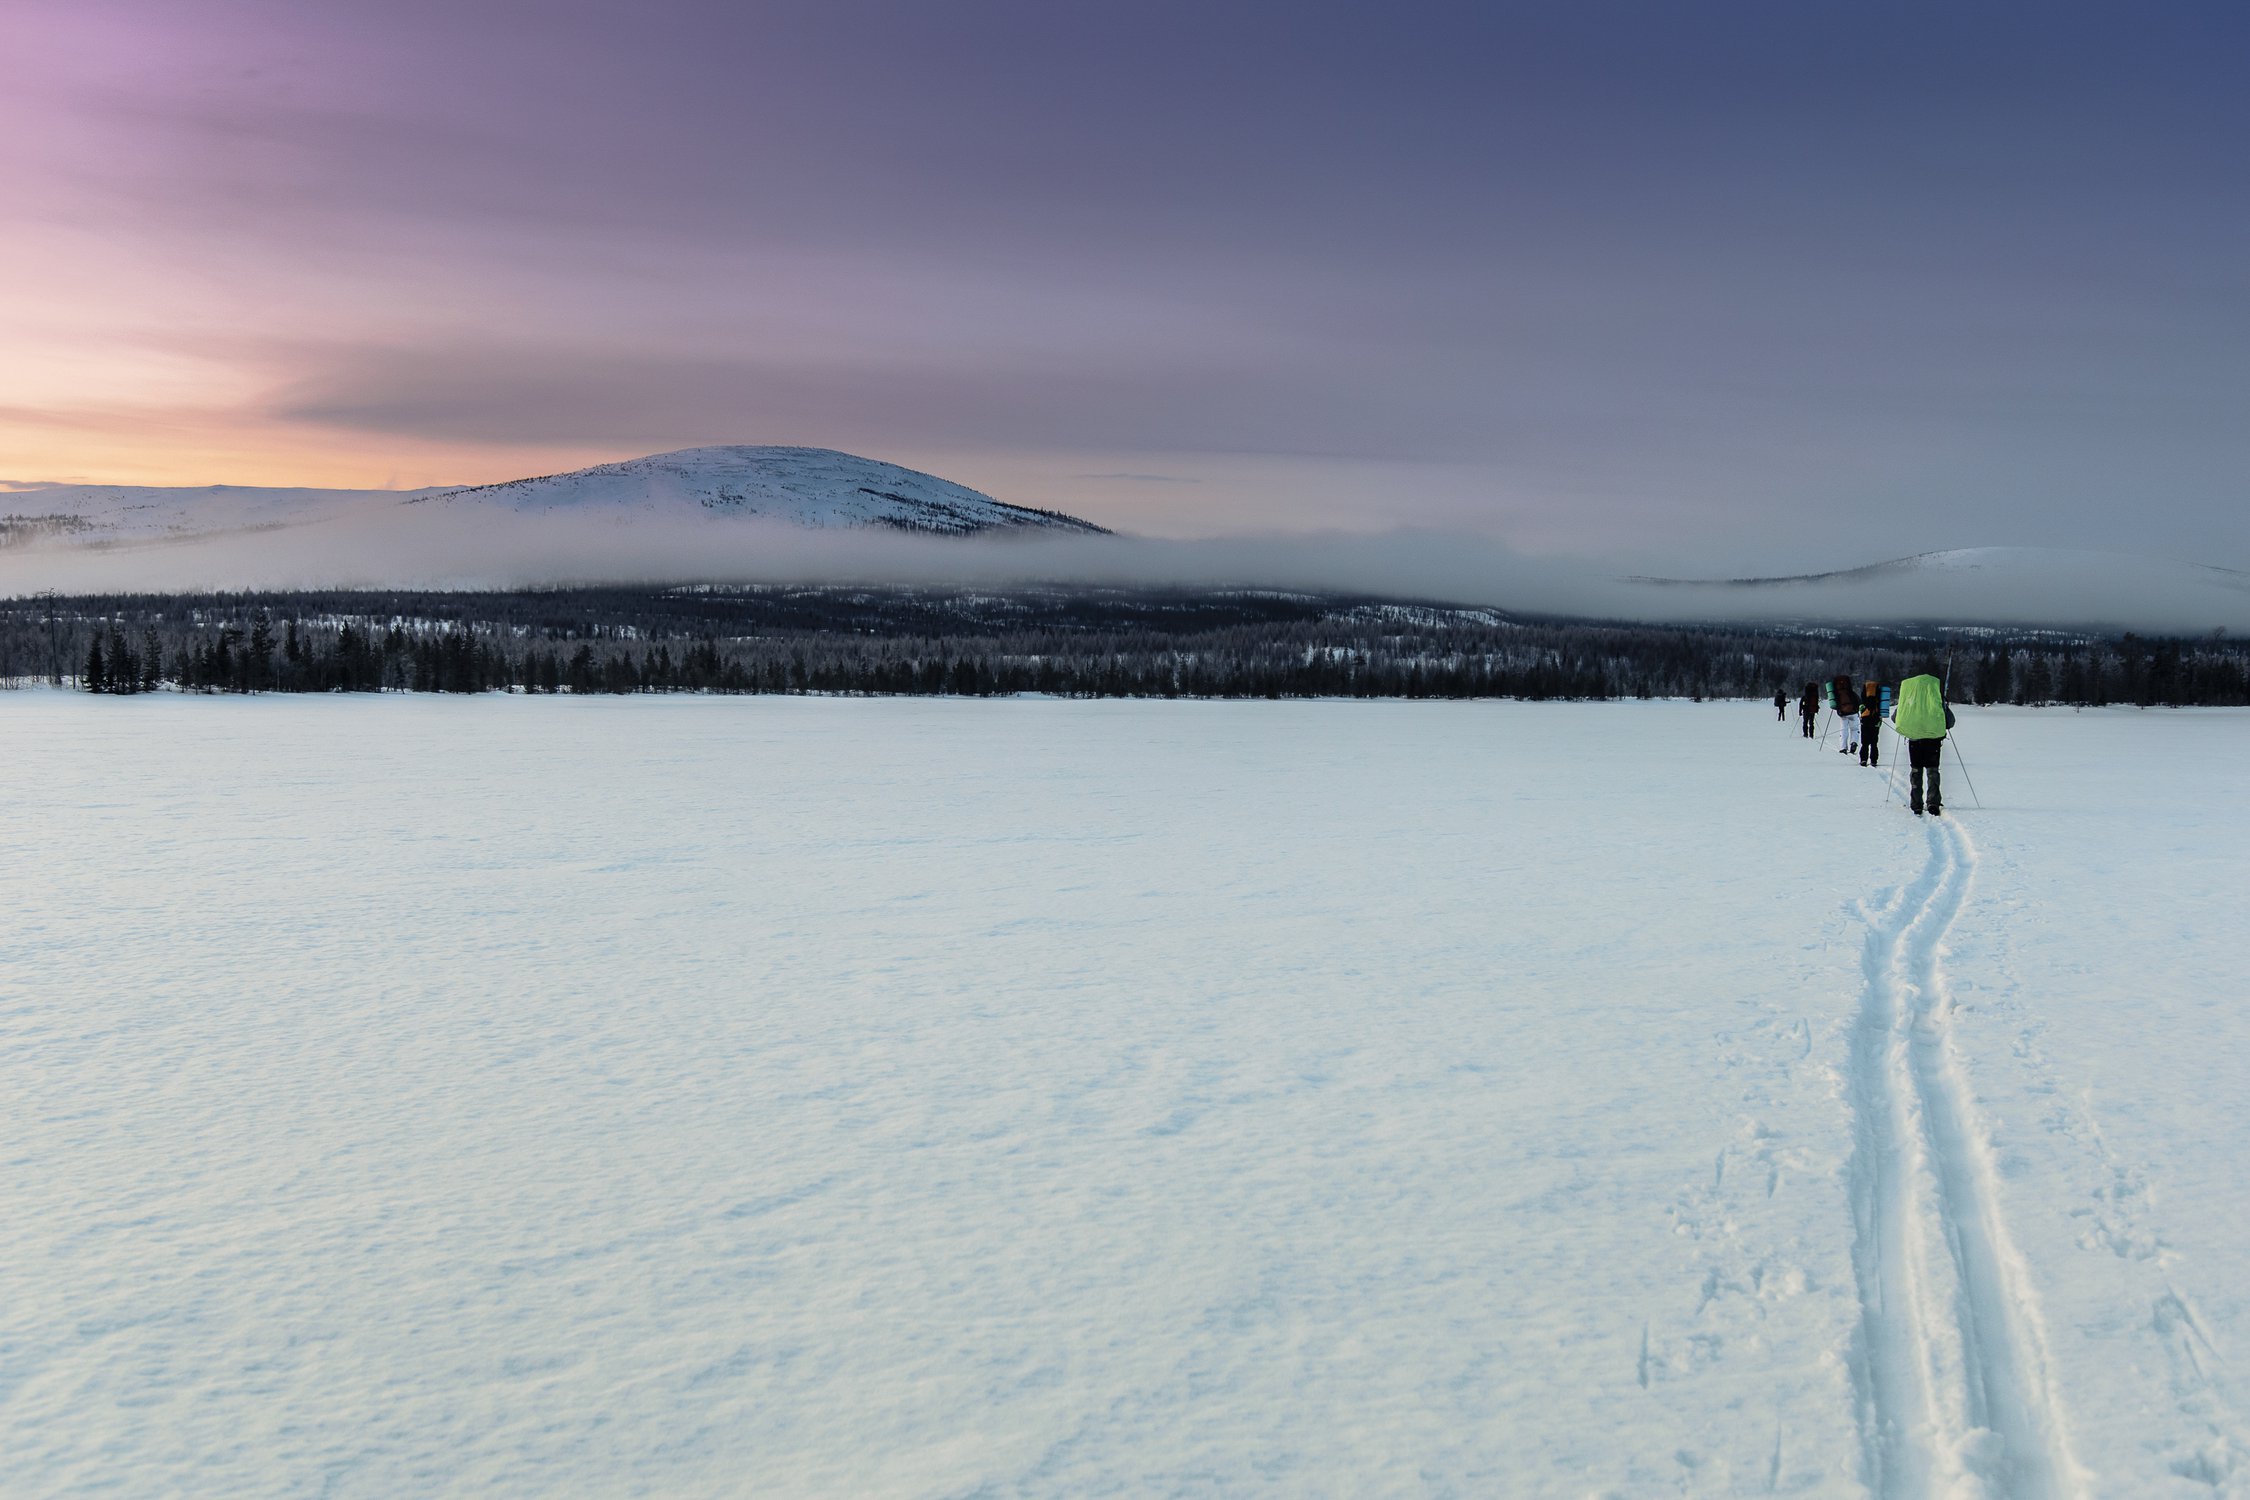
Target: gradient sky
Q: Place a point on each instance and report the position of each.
(1785, 284)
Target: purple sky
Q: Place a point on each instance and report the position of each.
(1793, 284)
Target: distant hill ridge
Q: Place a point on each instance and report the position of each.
(1972, 586)
(2000, 563)
(817, 488)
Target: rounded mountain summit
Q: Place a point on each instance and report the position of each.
(816, 487)
(810, 487)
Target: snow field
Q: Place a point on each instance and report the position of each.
(926, 1098)
(2097, 1012)
(1954, 1388)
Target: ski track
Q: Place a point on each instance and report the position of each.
(1954, 1392)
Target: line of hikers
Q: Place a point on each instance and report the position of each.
(1921, 716)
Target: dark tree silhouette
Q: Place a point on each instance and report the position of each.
(1083, 642)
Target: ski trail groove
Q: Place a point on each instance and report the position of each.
(1950, 1363)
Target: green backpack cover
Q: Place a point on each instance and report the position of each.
(1921, 709)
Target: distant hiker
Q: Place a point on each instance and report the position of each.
(1870, 724)
(1847, 711)
(1808, 707)
(1780, 706)
(1922, 719)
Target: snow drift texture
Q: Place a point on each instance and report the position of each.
(894, 1098)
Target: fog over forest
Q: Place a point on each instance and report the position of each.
(391, 546)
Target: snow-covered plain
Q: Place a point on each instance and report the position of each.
(919, 1098)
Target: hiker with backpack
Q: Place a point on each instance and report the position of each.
(1871, 724)
(1846, 699)
(1922, 720)
(1808, 708)
(1780, 706)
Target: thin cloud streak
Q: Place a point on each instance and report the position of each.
(1140, 478)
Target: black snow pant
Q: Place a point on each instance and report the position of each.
(1810, 719)
(1922, 759)
(1870, 741)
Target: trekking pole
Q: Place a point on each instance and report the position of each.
(1964, 765)
(1824, 723)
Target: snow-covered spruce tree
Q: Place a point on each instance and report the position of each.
(258, 669)
(124, 666)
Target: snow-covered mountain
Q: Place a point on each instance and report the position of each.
(32, 514)
(1974, 564)
(816, 487)
(808, 487)
(1971, 585)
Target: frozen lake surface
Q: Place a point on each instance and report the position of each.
(535, 1097)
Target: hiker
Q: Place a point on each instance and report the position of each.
(1847, 712)
(1780, 706)
(1808, 707)
(1922, 719)
(1871, 724)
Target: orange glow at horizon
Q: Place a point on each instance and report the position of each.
(188, 448)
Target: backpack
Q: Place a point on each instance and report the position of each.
(1921, 708)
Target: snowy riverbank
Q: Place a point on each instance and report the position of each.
(927, 1097)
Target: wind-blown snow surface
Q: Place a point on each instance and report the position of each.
(925, 1098)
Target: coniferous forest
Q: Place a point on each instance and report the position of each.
(1066, 642)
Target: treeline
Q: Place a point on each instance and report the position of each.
(2129, 671)
(1073, 643)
